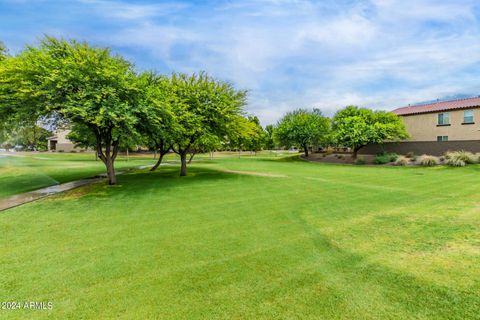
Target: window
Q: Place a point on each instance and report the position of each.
(442, 138)
(468, 116)
(443, 119)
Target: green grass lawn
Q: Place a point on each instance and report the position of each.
(22, 172)
(302, 241)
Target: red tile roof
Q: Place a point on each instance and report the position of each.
(438, 106)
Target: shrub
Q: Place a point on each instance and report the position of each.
(360, 161)
(441, 159)
(455, 162)
(428, 161)
(73, 151)
(401, 161)
(60, 150)
(410, 155)
(341, 156)
(466, 157)
(383, 158)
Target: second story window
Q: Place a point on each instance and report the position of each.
(443, 119)
(468, 116)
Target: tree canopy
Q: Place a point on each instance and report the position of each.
(81, 84)
(3, 51)
(356, 127)
(202, 106)
(302, 128)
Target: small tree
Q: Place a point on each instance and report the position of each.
(31, 136)
(257, 139)
(269, 138)
(78, 83)
(202, 106)
(356, 127)
(302, 128)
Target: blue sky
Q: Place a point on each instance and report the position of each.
(288, 53)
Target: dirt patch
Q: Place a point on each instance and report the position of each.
(253, 173)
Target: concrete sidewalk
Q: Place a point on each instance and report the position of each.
(23, 198)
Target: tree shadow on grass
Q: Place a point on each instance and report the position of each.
(168, 177)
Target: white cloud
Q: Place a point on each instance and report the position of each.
(378, 53)
(132, 11)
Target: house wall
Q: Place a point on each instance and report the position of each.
(423, 127)
(62, 137)
(63, 143)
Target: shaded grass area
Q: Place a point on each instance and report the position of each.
(25, 172)
(311, 241)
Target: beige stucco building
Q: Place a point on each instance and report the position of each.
(436, 128)
(60, 142)
(456, 120)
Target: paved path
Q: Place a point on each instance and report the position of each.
(20, 199)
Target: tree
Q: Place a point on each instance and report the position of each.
(33, 137)
(206, 143)
(157, 125)
(356, 127)
(269, 138)
(80, 84)
(239, 134)
(302, 128)
(203, 106)
(256, 140)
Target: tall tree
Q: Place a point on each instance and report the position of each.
(302, 128)
(203, 106)
(356, 127)
(78, 83)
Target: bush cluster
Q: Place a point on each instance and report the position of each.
(460, 158)
(360, 161)
(384, 157)
(428, 161)
(402, 161)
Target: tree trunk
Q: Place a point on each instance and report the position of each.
(355, 152)
(154, 154)
(183, 159)
(191, 158)
(127, 154)
(112, 178)
(108, 157)
(158, 162)
(305, 148)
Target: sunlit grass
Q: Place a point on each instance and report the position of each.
(298, 240)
